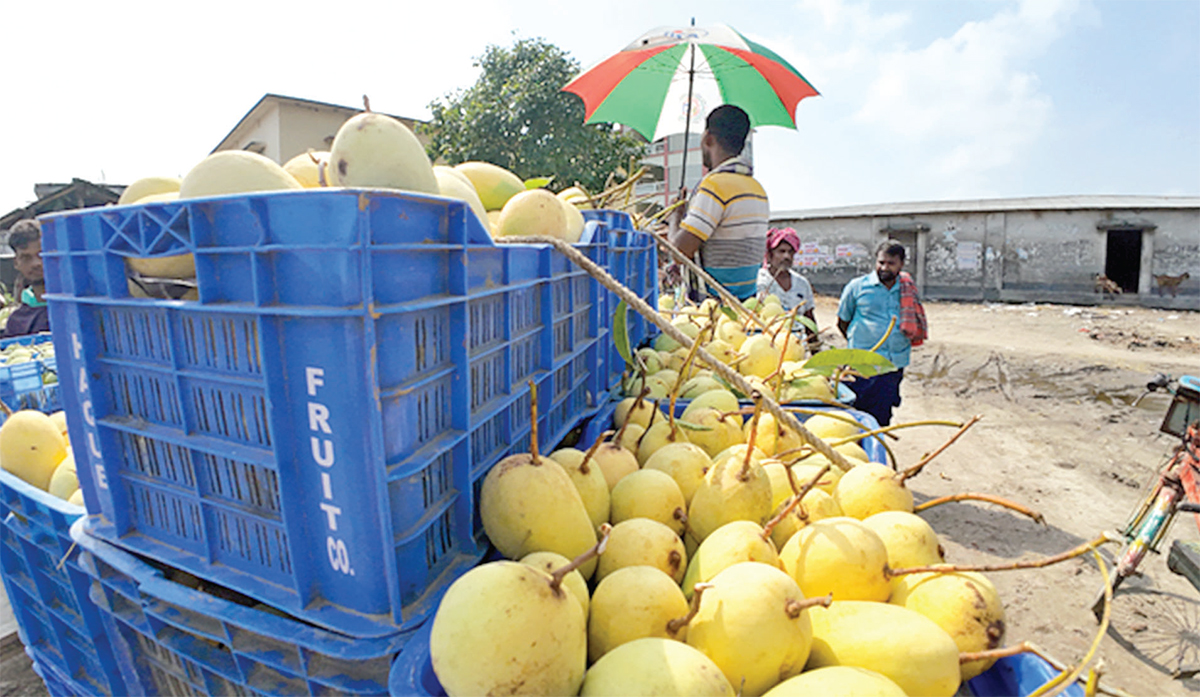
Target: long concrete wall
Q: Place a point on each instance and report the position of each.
(1007, 255)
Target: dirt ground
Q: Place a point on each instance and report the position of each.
(1054, 385)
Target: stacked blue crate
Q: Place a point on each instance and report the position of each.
(39, 567)
(633, 262)
(32, 384)
(312, 432)
(174, 639)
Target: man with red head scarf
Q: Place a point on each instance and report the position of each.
(778, 275)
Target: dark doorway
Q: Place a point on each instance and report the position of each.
(1123, 263)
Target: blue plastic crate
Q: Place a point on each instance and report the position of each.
(873, 446)
(313, 430)
(48, 591)
(172, 639)
(57, 684)
(24, 385)
(633, 261)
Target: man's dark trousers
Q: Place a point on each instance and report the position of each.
(877, 396)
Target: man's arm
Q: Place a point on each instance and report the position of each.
(846, 307)
(685, 242)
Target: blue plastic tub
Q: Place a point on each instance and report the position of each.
(33, 384)
(873, 446)
(48, 592)
(313, 430)
(1020, 675)
(633, 261)
(1014, 676)
(174, 639)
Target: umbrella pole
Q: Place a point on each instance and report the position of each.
(687, 123)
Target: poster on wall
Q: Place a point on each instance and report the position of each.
(968, 255)
(849, 251)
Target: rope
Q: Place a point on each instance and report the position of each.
(728, 297)
(731, 376)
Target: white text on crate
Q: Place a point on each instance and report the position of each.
(323, 455)
(89, 414)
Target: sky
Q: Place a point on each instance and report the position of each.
(920, 100)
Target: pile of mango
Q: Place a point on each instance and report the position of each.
(720, 558)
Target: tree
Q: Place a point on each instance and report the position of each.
(517, 117)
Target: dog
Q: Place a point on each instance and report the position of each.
(1103, 284)
(1170, 283)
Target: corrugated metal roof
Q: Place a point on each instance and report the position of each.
(1040, 203)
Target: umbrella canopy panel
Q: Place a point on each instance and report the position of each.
(646, 85)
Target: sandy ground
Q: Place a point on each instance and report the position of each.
(1054, 385)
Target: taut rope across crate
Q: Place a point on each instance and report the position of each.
(733, 377)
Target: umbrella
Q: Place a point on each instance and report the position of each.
(671, 76)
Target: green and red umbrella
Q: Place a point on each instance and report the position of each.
(668, 80)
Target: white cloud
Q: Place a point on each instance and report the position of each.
(970, 101)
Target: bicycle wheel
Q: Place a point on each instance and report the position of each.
(1159, 628)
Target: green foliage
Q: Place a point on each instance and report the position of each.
(868, 363)
(517, 117)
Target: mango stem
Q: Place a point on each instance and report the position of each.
(595, 550)
(794, 607)
(913, 471)
(745, 473)
(1035, 564)
(794, 501)
(583, 464)
(533, 430)
(968, 496)
(679, 623)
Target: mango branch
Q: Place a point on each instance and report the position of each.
(687, 364)
(1013, 566)
(587, 457)
(1056, 685)
(596, 550)
(5, 409)
(793, 502)
(995, 654)
(617, 189)
(679, 623)
(533, 433)
(745, 473)
(916, 469)
(968, 496)
(637, 404)
(878, 344)
(725, 372)
(666, 210)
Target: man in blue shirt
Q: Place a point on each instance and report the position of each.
(868, 305)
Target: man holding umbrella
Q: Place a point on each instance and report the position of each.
(727, 215)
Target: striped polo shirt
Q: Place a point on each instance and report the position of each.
(729, 213)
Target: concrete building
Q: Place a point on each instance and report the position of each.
(281, 127)
(1044, 249)
(664, 160)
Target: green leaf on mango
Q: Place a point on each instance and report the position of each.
(621, 334)
(866, 362)
(808, 323)
(538, 182)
